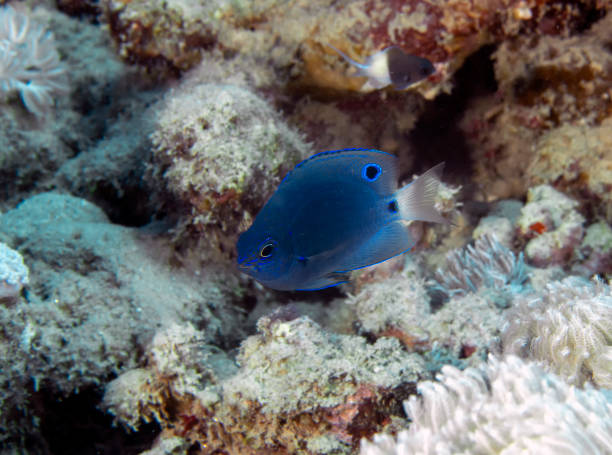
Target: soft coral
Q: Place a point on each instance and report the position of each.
(29, 62)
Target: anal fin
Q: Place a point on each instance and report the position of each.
(324, 282)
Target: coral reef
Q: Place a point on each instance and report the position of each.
(180, 365)
(555, 81)
(163, 128)
(97, 292)
(175, 36)
(298, 388)
(500, 222)
(578, 161)
(393, 307)
(34, 149)
(382, 120)
(463, 330)
(505, 406)
(567, 328)
(558, 78)
(169, 446)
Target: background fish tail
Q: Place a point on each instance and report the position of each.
(416, 200)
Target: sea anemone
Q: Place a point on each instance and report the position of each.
(568, 328)
(486, 264)
(507, 406)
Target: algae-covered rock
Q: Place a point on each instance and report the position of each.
(297, 389)
(97, 294)
(559, 78)
(221, 150)
(552, 225)
(395, 307)
(595, 251)
(578, 161)
(165, 37)
(543, 123)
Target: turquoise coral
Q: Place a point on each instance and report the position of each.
(487, 264)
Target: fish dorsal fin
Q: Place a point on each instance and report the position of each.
(372, 167)
(392, 239)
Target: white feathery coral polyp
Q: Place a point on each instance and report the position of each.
(29, 62)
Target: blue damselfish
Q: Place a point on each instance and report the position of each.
(335, 212)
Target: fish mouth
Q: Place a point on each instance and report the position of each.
(246, 264)
(243, 267)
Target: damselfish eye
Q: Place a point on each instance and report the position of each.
(266, 250)
(371, 172)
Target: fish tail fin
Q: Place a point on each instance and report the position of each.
(416, 200)
(356, 64)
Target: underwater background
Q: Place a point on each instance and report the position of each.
(140, 138)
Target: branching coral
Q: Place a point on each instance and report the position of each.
(568, 328)
(507, 407)
(486, 264)
(29, 62)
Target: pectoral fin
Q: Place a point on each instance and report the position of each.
(391, 240)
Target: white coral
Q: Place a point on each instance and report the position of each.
(29, 63)
(568, 328)
(505, 407)
(14, 274)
